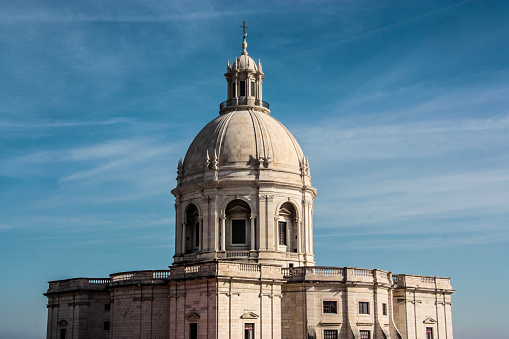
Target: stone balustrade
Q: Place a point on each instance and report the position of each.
(81, 284)
(422, 282)
(139, 277)
(254, 271)
(339, 274)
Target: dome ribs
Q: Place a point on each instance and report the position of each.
(220, 132)
(263, 139)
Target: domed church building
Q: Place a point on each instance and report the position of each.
(244, 264)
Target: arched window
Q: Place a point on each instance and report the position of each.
(287, 228)
(193, 229)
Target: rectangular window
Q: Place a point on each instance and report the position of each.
(252, 88)
(107, 307)
(242, 88)
(330, 334)
(238, 231)
(282, 232)
(249, 331)
(363, 307)
(330, 307)
(193, 331)
(429, 332)
(106, 326)
(62, 333)
(234, 94)
(384, 309)
(365, 334)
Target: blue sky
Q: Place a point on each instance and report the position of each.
(401, 106)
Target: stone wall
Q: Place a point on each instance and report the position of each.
(422, 302)
(77, 307)
(140, 311)
(223, 298)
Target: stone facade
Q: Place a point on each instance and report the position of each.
(244, 264)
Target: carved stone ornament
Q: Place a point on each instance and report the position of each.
(429, 320)
(62, 323)
(249, 315)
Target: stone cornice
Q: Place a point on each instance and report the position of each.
(240, 183)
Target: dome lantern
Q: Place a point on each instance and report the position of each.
(244, 80)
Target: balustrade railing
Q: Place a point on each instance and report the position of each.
(244, 101)
(320, 271)
(161, 274)
(122, 277)
(192, 269)
(249, 267)
(99, 281)
(237, 254)
(326, 270)
(427, 280)
(362, 272)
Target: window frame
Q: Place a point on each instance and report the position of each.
(430, 332)
(364, 308)
(282, 238)
(384, 309)
(233, 244)
(191, 325)
(242, 92)
(331, 304)
(368, 332)
(247, 329)
(333, 334)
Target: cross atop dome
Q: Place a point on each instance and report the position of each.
(244, 27)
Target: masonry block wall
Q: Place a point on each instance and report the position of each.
(140, 311)
(75, 311)
(423, 304)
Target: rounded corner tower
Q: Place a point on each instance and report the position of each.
(244, 188)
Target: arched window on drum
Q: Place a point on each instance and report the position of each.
(287, 228)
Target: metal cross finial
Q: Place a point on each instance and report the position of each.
(244, 27)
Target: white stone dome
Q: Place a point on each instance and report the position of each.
(244, 139)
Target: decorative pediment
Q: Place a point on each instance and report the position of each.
(62, 323)
(238, 209)
(284, 211)
(249, 315)
(429, 320)
(192, 316)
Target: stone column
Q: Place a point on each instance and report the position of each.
(305, 225)
(200, 248)
(310, 234)
(253, 238)
(223, 233)
(299, 235)
(183, 238)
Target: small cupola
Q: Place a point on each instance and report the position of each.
(244, 80)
